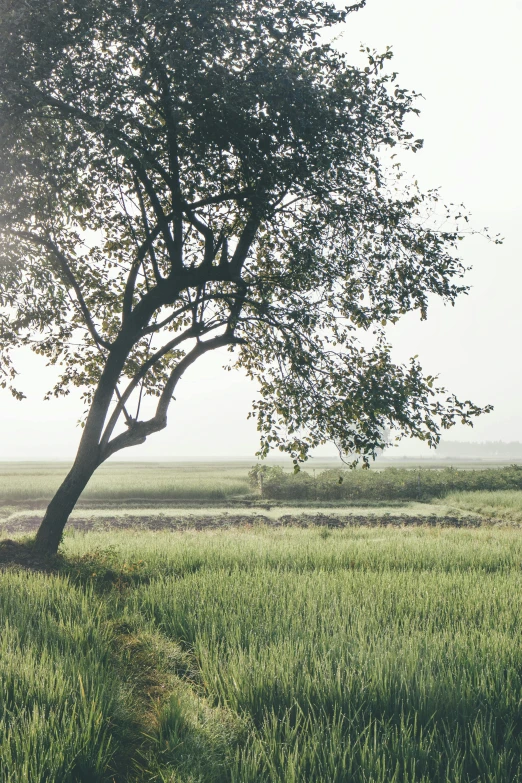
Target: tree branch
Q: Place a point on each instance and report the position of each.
(151, 361)
(68, 276)
(100, 125)
(166, 321)
(172, 142)
(149, 244)
(163, 220)
(245, 242)
(233, 196)
(206, 232)
(140, 430)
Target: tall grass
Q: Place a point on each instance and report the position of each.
(150, 555)
(353, 656)
(355, 673)
(294, 656)
(504, 505)
(58, 695)
(128, 481)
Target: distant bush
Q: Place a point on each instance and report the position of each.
(274, 483)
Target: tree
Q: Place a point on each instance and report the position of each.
(186, 175)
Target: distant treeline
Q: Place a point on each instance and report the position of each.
(488, 449)
(273, 483)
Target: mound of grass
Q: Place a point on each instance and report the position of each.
(505, 505)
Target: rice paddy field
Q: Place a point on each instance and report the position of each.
(288, 645)
(202, 482)
(128, 481)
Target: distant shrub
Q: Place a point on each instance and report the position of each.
(274, 483)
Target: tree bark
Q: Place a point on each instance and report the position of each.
(87, 459)
(49, 535)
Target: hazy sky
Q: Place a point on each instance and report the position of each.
(465, 57)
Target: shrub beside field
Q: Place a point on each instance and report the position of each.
(379, 485)
(266, 656)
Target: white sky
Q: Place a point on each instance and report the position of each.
(465, 57)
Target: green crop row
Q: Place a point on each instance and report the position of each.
(127, 481)
(214, 482)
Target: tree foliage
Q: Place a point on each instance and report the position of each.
(181, 176)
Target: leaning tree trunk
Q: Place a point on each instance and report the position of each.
(50, 532)
(95, 448)
(87, 459)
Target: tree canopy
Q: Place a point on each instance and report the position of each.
(178, 176)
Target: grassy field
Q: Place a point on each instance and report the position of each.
(261, 654)
(229, 482)
(128, 481)
(503, 505)
(264, 642)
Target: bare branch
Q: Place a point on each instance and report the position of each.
(140, 430)
(161, 217)
(151, 361)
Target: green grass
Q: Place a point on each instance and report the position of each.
(128, 481)
(198, 481)
(295, 656)
(58, 693)
(502, 505)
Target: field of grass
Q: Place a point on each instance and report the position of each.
(228, 481)
(257, 654)
(116, 481)
(57, 693)
(502, 505)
